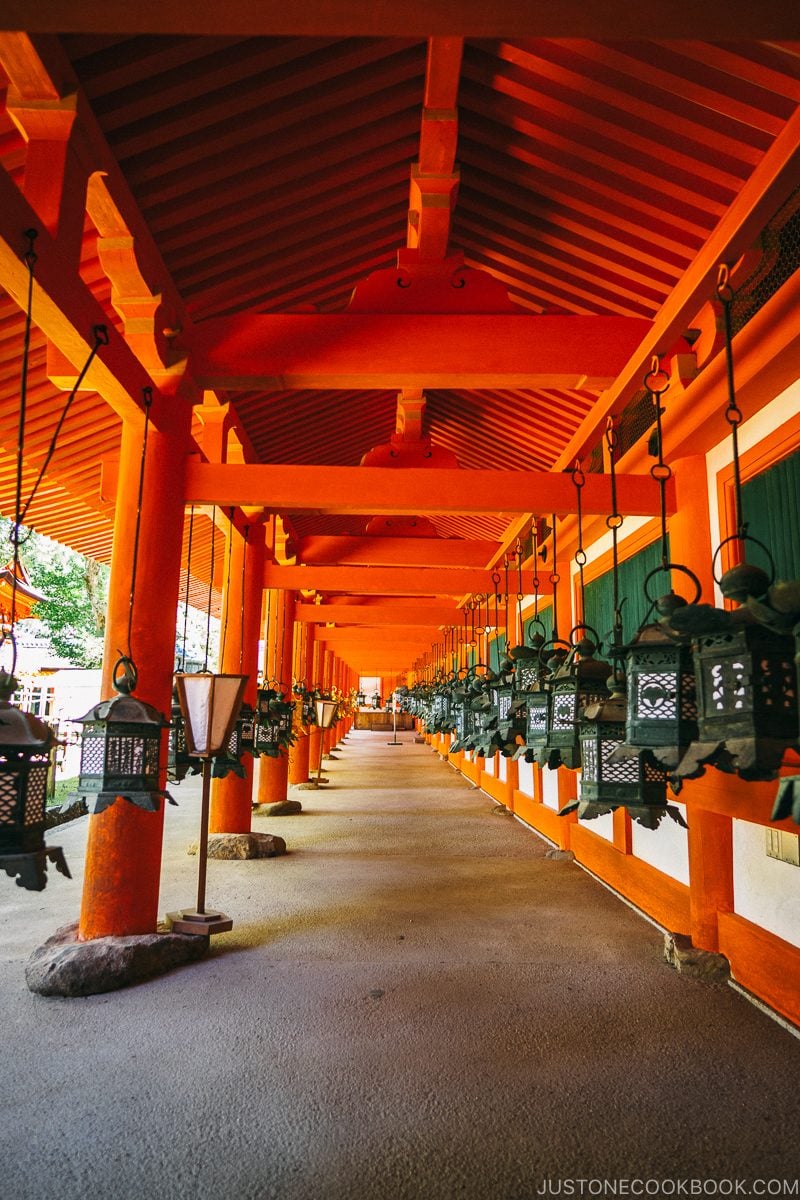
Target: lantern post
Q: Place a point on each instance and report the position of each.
(210, 705)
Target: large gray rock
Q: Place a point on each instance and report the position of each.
(696, 964)
(242, 845)
(63, 966)
(560, 855)
(281, 808)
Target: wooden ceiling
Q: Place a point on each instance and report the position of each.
(274, 173)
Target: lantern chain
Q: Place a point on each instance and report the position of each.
(126, 661)
(614, 523)
(100, 333)
(518, 552)
(660, 471)
(210, 585)
(30, 262)
(186, 591)
(241, 622)
(227, 588)
(579, 479)
(733, 414)
(555, 579)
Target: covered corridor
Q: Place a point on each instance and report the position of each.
(415, 1002)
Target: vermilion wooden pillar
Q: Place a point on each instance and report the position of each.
(273, 776)
(232, 797)
(299, 753)
(327, 684)
(315, 733)
(123, 852)
(710, 834)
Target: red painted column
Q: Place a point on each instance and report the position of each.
(232, 797)
(123, 852)
(710, 834)
(327, 684)
(299, 753)
(315, 733)
(273, 778)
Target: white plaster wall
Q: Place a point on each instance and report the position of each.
(525, 777)
(550, 789)
(665, 848)
(602, 826)
(765, 891)
(489, 765)
(502, 768)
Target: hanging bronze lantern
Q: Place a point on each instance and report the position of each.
(638, 784)
(121, 749)
(361, 699)
(746, 693)
(179, 762)
(662, 701)
(273, 722)
(578, 682)
(464, 715)
(25, 741)
(745, 671)
(25, 745)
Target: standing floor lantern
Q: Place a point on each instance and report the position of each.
(210, 705)
(324, 715)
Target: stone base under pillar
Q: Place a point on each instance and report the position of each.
(281, 808)
(695, 964)
(311, 785)
(63, 966)
(242, 845)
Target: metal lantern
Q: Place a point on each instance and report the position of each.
(361, 699)
(580, 681)
(120, 755)
(376, 699)
(662, 701)
(464, 719)
(537, 705)
(746, 694)
(240, 742)
(179, 761)
(25, 745)
(273, 722)
(638, 783)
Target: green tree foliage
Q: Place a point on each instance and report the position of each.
(74, 613)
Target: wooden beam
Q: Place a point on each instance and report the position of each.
(382, 581)
(773, 180)
(376, 490)
(715, 19)
(317, 550)
(65, 310)
(397, 616)
(284, 351)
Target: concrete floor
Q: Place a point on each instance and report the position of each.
(414, 1004)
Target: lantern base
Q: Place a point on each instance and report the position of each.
(97, 802)
(200, 924)
(31, 869)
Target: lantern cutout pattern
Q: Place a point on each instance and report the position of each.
(578, 682)
(25, 745)
(120, 755)
(273, 723)
(744, 668)
(608, 782)
(661, 715)
(179, 762)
